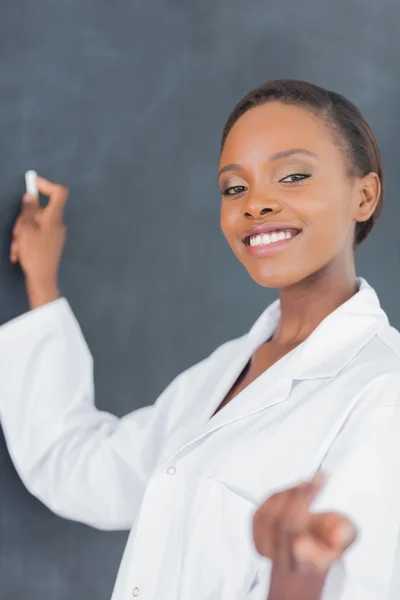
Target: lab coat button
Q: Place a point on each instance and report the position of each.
(171, 471)
(135, 591)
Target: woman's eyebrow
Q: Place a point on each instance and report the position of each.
(276, 156)
(286, 153)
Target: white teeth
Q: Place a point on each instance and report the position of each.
(268, 238)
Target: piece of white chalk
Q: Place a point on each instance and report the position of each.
(31, 183)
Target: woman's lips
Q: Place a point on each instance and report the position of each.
(269, 248)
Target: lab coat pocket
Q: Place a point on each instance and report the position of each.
(221, 561)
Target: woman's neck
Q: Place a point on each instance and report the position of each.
(305, 304)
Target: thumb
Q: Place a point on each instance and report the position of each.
(29, 201)
(334, 530)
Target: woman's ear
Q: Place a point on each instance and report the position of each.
(368, 192)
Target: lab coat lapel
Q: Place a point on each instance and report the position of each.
(327, 350)
(294, 450)
(204, 399)
(196, 422)
(271, 453)
(270, 388)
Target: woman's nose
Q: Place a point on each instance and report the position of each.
(260, 205)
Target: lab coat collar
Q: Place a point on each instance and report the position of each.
(337, 339)
(325, 352)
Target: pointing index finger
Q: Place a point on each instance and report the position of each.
(308, 493)
(316, 484)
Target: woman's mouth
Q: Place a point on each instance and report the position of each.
(266, 243)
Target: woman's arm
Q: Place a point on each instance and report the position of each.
(84, 464)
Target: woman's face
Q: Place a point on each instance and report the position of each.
(283, 172)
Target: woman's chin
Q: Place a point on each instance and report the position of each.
(275, 280)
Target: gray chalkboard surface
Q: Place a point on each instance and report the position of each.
(124, 103)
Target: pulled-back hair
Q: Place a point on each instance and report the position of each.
(350, 129)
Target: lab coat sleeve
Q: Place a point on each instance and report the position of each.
(395, 579)
(84, 464)
(364, 484)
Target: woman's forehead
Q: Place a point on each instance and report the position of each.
(274, 127)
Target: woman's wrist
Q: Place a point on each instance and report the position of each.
(296, 586)
(41, 293)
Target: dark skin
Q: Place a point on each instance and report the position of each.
(314, 273)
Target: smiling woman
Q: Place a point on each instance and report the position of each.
(305, 160)
(220, 480)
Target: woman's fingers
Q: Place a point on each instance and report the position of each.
(28, 219)
(290, 521)
(334, 530)
(14, 252)
(294, 521)
(58, 196)
(263, 526)
(330, 534)
(317, 482)
(312, 555)
(39, 237)
(309, 491)
(30, 213)
(294, 538)
(282, 516)
(283, 530)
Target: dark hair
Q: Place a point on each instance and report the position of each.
(350, 129)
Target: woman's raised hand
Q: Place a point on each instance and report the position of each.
(39, 236)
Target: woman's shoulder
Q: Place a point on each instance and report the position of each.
(378, 368)
(384, 353)
(389, 337)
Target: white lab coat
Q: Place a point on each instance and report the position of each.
(188, 485)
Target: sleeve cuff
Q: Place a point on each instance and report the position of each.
(54, 311)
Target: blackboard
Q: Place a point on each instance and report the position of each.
(124, 103)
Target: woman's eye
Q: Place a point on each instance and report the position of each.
(233, 190)
(295, 177)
